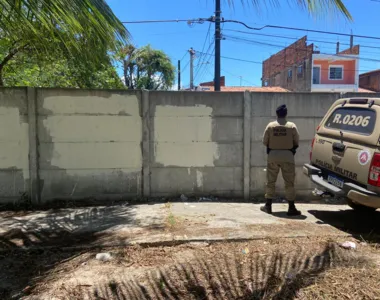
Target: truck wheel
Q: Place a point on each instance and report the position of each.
(360, 208)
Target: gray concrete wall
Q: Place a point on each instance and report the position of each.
(196, 145)
(14, 144)
(89, 143)
(76, 144)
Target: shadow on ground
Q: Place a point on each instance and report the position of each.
(227, 276)
(45, 235)
(361, 225)
(284, 215)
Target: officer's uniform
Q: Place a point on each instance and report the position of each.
(281, 139)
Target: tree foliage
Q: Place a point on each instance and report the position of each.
(67, 21)
(146, 68)
(314, 7)
(55, 71)
(81, 30)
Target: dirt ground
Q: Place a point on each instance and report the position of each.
(303, 268)
(159, 252)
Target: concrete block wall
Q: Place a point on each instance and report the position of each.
(14, 144)
(89, 143)
(99, 144)
(196, 143)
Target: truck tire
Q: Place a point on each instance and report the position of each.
(360, 208)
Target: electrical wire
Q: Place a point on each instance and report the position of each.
(240, 77)
(301, 29)
(296, 38)
(203, 48)
(204, 59)
(184, 55)
(236, 59)
(207, 66)
(286, 66)
(198, 20)
(281, 46)
(184, 68)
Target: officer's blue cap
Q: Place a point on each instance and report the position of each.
(282, 109)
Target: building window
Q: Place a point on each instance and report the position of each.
(336, 73)
(316, 75)
(300, 71)
(290, 73)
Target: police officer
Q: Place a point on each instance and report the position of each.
(281, 139)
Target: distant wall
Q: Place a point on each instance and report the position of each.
(82, 144)
(370, 81)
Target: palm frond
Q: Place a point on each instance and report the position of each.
(314, 7)
(70, 21)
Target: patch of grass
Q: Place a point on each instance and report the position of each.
(171, 220)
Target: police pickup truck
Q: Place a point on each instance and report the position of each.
(345, 153)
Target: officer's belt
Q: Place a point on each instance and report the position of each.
(293, 150)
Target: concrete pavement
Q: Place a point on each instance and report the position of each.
(171, 222)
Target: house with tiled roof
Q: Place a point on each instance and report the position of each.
(209, 87)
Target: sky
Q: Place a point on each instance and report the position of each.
(175, 39)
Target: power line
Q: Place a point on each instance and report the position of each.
(184, 68)
(262, 34)
(280, 46)
(237, 59)
(189, 21)
(212, 19)
(296, 38)
(258, 42)
(203, 60)
(209, 65)
(184, 55)
(288, 66)
(301, 29)
(241, 77)
(232, 74)
(203, 48)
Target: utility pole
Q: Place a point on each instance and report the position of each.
(217, 46)
(179, 75)
(351, 41)
(337, 47)
(241, 78)
(192, 54)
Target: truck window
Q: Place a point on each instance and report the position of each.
(352, 119)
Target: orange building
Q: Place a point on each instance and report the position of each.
(335, 73)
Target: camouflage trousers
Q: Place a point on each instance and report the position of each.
(288, 173)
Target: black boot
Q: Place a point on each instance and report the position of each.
(267, 208)
(292, 211)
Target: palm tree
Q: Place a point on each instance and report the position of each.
(146, 68)
(127, 55)
(86, 29)
(74, 17)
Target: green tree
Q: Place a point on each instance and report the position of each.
(55, 71)
(147, 68)
(84, 29)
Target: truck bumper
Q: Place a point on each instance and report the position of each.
(355, 193)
